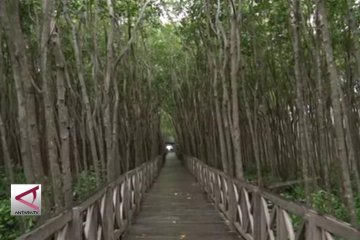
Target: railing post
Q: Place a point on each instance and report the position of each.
(232, 203)
(151, 173)
(148, 177)
(143, 181)
(192, 166)
(217, 191)
(212, 186)
(76, 224)
(207, 182)
(107, 215)
(259, 217)
(198, 171)
(127, 200)
(201, 179)
(137, 190)
(312, 231)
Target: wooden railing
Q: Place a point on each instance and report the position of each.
(257, 214)
(107, 214)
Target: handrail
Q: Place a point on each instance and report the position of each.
(257, 214)
(106, 214)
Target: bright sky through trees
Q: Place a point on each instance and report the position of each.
(172, 11)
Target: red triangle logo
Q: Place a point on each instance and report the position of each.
(31, 205)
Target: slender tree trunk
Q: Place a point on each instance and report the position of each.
(354, 31)
(85, 98)
(335, 99)
(254, 138)
(219, 123)
(322, 154)
(354, 34)
(76, 153)
(63, 119)
(6, 154)
(349, 142)
(48, 8)
(83, 141)
(295, 15)
(115, 124)
(234, 76)
(4, 142)
(10, 21)
(108, 78)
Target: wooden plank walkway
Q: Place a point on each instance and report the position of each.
(176, 208)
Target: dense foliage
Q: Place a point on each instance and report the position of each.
(79, 104)
(267, 91)
(270, 90)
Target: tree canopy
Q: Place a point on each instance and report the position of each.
(267, 91)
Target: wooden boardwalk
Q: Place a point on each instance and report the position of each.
(176, 208)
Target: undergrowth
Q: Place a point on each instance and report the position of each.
(85, 185)
(324, 202)
(12, 227)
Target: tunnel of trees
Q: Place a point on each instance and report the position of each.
(267, 91)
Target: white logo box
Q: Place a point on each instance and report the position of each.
(25, 199)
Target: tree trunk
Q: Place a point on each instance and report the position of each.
(9, 13)
(6, 154)
(108, 78)
(115, 123)
(234, 76)
(48, 8)
(63, 119)
(335, 99)
(85, 98)
(219, 123)
(296, 41)
(322, 154)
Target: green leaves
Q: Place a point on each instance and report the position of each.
(324, 202)
(85, 185)
(10, 226)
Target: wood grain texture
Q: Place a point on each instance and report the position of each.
(176, 208)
